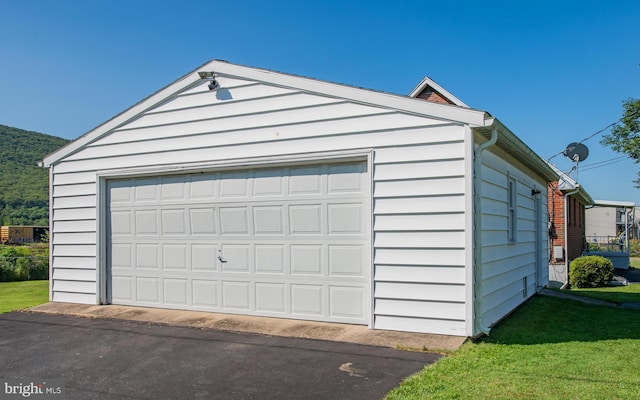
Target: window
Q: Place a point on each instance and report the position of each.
(512, 208)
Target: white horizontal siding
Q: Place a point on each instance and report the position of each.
(74, 238)
(207, 97)
(424, 274)
(425, 325)
(74, 250)
(505, 264)
(74, 274)
(74, 286)
(81, 298)
(81, 189)
(74, 262)
(74, 202)
(418, 222)
(74, 214)
(420, 309)
(222, 132)
(433, 257)
(423, 291)
(410, 205)
(433, 240)
(74, 226)
(435, 151)
(74, 178)
(419, 187)
(253, 106)
(273, 145)
(418, 176)
(413, 170)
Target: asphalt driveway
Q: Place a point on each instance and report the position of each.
(115, 359)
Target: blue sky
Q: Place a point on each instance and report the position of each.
(554, 72)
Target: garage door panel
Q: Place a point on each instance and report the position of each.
(268, 182)
(147, 256)
(346, 260)
(121, 255)
(121, 223)
(202, 221)
(268, 220)
(122, 289)
(306, 259)
(284, 241)
(270, 258)
(148, 290)
(174, 222)
(236, 258)
(346, 302)
(203, 187)
(270, 297)
(205, 293)
(305, 181)
(345, 219)
(234, 185)
(203, 257)
(121, 191)
(175, 291)
(174, 256)
(173, 188)
(146, 190)
(234, 221)
(146, 222)
(307, 300)
(345, 178)
(305, 219)
(235, 295)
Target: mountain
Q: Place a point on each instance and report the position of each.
(24, 187)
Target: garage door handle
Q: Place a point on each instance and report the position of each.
(222, 260)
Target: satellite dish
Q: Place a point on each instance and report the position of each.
(576, 152)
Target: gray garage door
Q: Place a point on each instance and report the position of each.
(289, 242)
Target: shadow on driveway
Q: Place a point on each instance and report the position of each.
(113, 359)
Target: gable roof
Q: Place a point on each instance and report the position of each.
(427, 83)
(460, 113)
(223, 68)
(567, 184)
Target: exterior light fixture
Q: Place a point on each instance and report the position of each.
(211, 77)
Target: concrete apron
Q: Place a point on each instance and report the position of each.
(260, 325)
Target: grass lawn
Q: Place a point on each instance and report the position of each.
(635, 262)
(548, 349)
(615, 294)
(17, 295)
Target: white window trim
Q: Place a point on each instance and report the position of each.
(512, 208)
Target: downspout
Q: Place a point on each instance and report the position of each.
(477, 234)
(566, 238)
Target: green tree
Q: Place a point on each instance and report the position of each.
(625, 136)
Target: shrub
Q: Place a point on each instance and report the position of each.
(22, 263)
(590, 271)
(634, 247)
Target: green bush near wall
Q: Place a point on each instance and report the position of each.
(24, 263)
(634, 247)
(590, 271)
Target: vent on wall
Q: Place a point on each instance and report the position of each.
(524, 287)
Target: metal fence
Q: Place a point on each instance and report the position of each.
(611, 244)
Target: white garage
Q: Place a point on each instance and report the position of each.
(285, 241)
(247, 191)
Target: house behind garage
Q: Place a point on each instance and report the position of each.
(284, 196)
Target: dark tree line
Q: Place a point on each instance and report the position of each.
(24, 193)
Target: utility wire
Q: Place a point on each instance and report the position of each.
(605, 164)
(588, 137)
